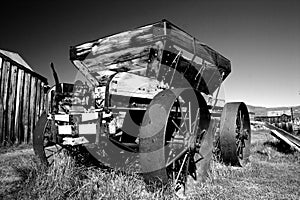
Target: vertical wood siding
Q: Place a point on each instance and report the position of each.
(21, 102)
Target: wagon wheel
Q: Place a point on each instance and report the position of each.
(174, 138)
(235, 134)
(43, 144)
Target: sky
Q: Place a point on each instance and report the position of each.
(260, 37)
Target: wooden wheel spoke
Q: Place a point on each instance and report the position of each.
(184, 119)
(181, 168)
(195, 122)
(178, 127)
(171, 153)
(186, 173)
(173, 172)
(240, 122)
(178, 141)
(178, 155)
(190, 117)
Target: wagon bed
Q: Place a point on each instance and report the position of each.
(151, 51)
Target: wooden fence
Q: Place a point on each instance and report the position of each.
(21, 101)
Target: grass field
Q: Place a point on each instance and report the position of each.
(273, 173)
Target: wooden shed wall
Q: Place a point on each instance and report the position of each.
(21, 101)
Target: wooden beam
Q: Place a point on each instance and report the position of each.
(37, 101)
(104, 60)
(26, 100)
(18, 103)
(114, 43)
(283, 138)
(11, 104)
(43, 96)
(5, 99)
(1, 99)
(0, 75)
(32, 107)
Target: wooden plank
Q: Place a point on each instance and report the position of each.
(103, 60)
(1, 121)
(32, 107)
(0, 75)
(21, 118)
(19, 95)
(26, 99)
(116, 42)
(4, 76)
(5, 99)
(37, 101)
(2, 66)
(11, 104)
(280, 136)
(42, 99)
(284, 135)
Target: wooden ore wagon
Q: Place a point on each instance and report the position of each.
(149, 106)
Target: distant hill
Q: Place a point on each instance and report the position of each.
(257, 110)
(260, 111)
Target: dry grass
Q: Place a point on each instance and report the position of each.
(271, 174)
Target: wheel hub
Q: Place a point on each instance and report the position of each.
(241, 137)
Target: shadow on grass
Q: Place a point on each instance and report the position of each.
(25, 173)
(279, 146)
